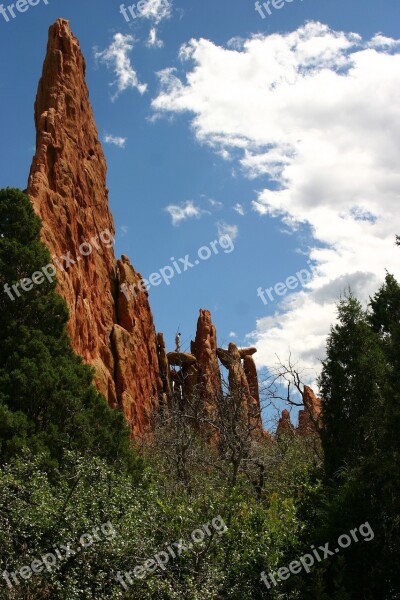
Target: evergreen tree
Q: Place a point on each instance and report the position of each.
(351, 386)
(47, 399)
(383, 468)
(361, 403)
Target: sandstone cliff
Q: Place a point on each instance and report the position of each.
(67, 186)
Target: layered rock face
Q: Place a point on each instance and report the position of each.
(67, 186)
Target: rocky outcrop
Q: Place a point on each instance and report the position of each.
(136, 358)
(67, 187)
(310, 417)
(247, 352)
(204, 348)
(243, 381)
(181, 359)
(165, 383)
(196, 376)
(285, 424)
(250, 371)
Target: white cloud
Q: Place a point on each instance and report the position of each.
(226, 229)
(239, 209)
(186, 210)
(232, 334)
(314, 115)
(157, 10)
(153, 41)
(114, 139)
(116, 57)
(381, 41)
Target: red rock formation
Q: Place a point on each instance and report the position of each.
(247, 352)
(165, 375)
(285, 424)
(232, 361)
(250, 370)
(204, 349)
(243, 381)
(67, 187)
(181, 359)
(310, 417)
(134, 345)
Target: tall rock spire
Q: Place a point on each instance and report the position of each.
(67, 187)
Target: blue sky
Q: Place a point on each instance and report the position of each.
(281, 133)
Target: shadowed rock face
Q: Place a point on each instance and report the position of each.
(67, 187)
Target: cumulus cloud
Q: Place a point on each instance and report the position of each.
(226, 229)
(116, 57)
(381, 41)
(115, 140)
(314, 116)
(182, 212)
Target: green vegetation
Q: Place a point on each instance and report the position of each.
(66, 465)
(47, 400)
(360, 386)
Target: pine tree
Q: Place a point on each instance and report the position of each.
(361, 405)
(383, 469)
(351, 386)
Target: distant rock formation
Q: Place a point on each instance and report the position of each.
(243, 380)
(310, 417)
(310, 421)
(204, 348)
(198, 374)
(285, 424)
